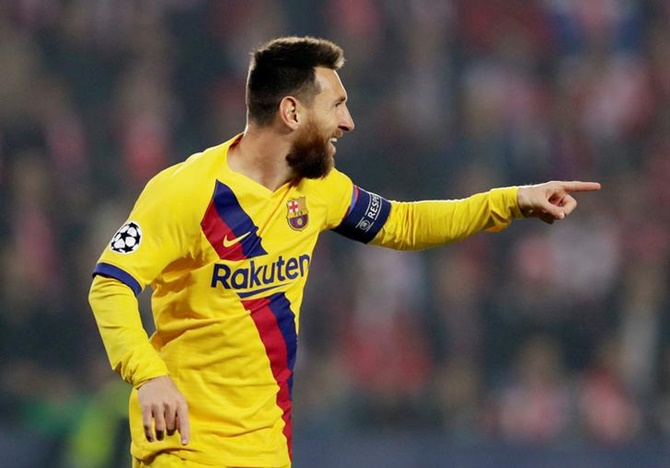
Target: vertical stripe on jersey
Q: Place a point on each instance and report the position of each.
(225, 219)
(276, 326)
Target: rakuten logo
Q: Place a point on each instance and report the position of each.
(259, 275)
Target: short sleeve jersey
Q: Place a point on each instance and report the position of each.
(227, 260)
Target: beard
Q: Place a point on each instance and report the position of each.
(311, 155)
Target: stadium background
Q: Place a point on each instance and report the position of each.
(539, 346)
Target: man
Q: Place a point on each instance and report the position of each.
(225, 240)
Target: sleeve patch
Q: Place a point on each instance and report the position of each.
(366, 217)
(127, 239)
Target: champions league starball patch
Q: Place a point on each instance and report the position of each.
(297, 215)
(127, 239)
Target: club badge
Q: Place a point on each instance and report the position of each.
(297, 214)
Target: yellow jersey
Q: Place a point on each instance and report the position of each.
(227, 260)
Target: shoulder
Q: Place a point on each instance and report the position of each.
(188, 176)
(332, 194)
(335, 183)
(186, 187)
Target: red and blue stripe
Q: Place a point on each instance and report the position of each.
(272, 315)
(225, 218)
(276, 327)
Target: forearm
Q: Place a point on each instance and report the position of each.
(128, 348)
(420, 225)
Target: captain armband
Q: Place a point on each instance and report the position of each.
(366, 217)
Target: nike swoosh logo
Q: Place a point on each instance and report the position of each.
(230, 242)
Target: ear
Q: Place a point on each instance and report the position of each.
(290, 112)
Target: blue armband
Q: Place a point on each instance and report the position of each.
(366, 217)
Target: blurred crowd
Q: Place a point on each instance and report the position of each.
(539, 334)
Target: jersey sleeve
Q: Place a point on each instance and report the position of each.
(366, 216)
(420, 225)
(370, 218)
(353, 212)
(128, 347)
(156, 233)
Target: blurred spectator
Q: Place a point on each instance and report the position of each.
(459, 390)
(460, 275)
(386, 353)
(534, 403)
(33, 235)
(102, 434)
(607, 411)
(640, 326)
(660, 408)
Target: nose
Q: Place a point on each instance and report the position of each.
(346, 122)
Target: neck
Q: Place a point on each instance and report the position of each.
(260, 155)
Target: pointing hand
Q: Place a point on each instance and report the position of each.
(552, 200)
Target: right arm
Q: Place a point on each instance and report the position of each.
(130, 353)
(116, 312)
(163, 223)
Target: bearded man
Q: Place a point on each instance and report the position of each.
(225, 241)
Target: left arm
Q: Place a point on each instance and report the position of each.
(420, 225)
(424, 224)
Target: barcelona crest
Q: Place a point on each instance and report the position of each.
(297, 215)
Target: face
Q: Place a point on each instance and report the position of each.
(313, 150)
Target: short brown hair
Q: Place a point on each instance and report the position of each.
(285, 66)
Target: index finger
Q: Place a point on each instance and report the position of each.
(578, 186)
(182, 424)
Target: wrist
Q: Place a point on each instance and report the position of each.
(523, 202)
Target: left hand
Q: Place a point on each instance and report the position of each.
(552, 200)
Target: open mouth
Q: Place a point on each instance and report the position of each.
(333, 140)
